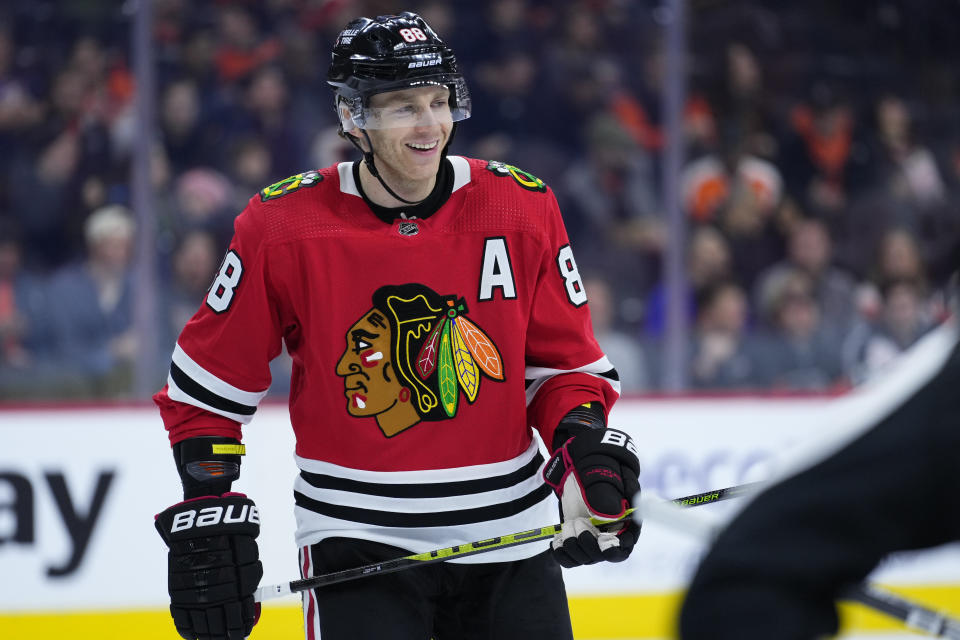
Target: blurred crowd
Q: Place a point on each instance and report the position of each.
(821, 182)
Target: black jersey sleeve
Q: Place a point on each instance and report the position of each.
(777, 570)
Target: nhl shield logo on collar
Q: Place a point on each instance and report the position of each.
(408, 228)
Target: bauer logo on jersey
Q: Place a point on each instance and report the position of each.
(414, 356)
(524, 179)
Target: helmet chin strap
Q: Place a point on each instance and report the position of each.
(372, 168)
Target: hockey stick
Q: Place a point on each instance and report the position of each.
(467, 549)
(912, 615)
(716, 495)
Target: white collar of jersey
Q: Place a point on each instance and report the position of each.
(461, 175)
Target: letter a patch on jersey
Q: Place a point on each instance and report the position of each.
(496, 271)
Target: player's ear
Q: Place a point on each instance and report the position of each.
(348, 128)
(346, 120)
(364, 143)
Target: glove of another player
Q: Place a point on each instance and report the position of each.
(213, 565)
(595, 476)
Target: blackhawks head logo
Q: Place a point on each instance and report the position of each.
(411, 356)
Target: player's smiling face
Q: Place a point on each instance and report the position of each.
(410, 129)
(369, 383)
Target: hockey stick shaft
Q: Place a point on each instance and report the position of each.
(463, 550)
(717, 495)
(406, 562)
(912, 615)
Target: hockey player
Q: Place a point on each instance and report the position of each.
(435, 316)
(778, 568)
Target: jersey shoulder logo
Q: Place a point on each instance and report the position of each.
(525, 179)
(411, 357)
(291, 184)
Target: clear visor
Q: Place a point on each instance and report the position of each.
(422, 105)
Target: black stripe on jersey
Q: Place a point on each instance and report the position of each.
(609, 374)
(433, 490)
(418, 520)
(200, 393)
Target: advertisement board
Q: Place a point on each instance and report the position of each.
(79, 488)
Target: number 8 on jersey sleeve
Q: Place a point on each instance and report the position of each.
(571, 276)
(225, 284)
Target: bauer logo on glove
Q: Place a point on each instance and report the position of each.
(620, 439)
(212, 516)
(595, 475)
(213, 565)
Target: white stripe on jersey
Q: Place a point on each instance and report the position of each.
(432, 476)
(539, 375)
(461, 175)
(313, 526)
(461, 171)
(347, 184)
(176, 393)
(212, 384)
(420, 505)
(311, 615)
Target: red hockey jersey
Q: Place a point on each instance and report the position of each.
(423, 350)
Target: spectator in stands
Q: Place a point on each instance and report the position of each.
(817, 157)
(42, 185)
(196, 61)
(252, 169)
(24, 317)
(798, 352)
(202, 199)
(71, 144)
(741, 193)
(906, 170)
(708, 262)
(503, 43)
(611, 209)
(242, 48)
(188, 139)
(898, 258)
(723, 355)
(621, 347)
(741, 100)
(903, 318)
(576, 91)
(809, 250)
(517, 117)
(92, 323)
(19, 108)
(27, 314)
(266, 114)
(306, 87)
(195, 263)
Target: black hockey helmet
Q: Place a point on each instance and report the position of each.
(389, 53)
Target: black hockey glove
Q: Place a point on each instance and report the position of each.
(213, 566)
(595, 476)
